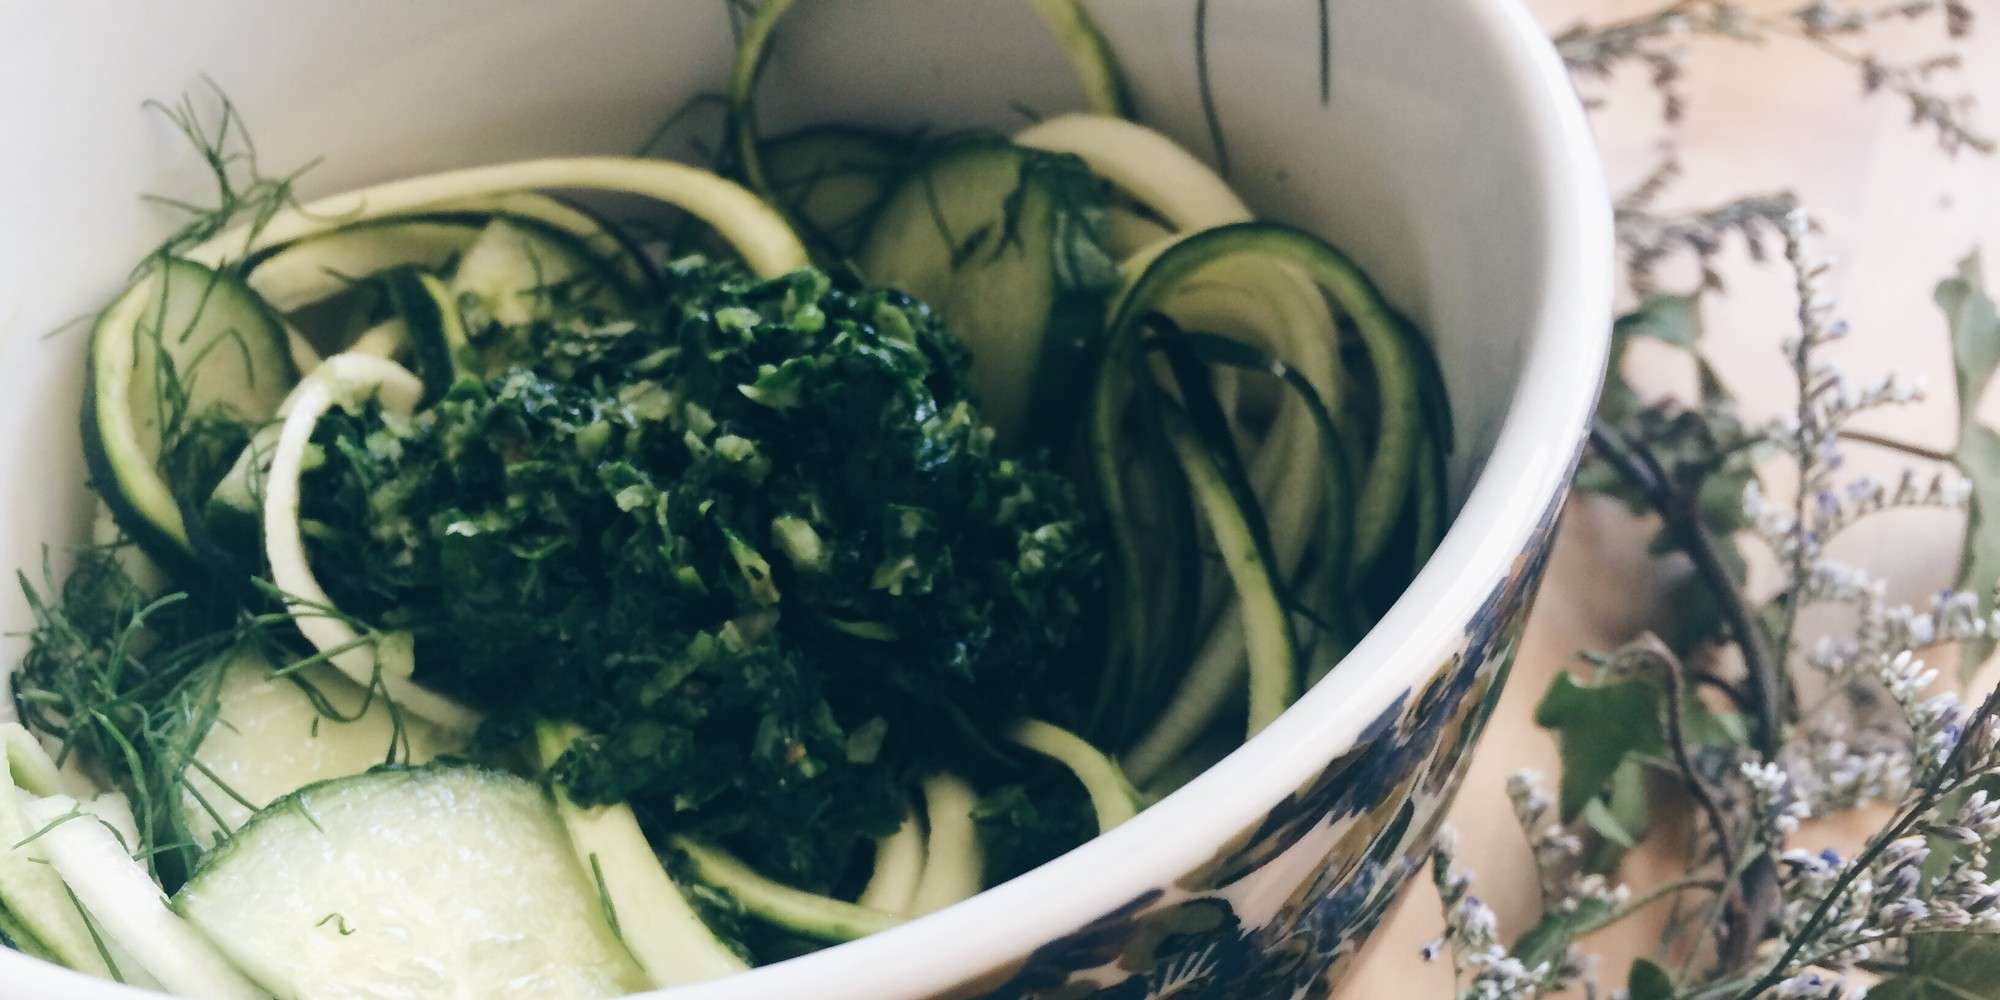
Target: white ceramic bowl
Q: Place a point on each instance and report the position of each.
(1451, 161)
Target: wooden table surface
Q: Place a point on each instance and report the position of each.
(1897, 215)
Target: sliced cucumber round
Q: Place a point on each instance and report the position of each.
(517, 273)
(184, 343)
(831, 181)
(13, 934)
(313, 270)
(271, 736)
(1008, 245)
(441, 881)
(511, 276)
(1154, 170)
(602, 239)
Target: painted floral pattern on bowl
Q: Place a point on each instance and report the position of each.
(1281, 909)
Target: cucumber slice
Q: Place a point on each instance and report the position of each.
(602, 240)
(831, 181)
(129, 907)
(182, 341)
(114, 811)
(1008, 245)
(509, 277)
(809, 915)
(313, 270)
(1146, 165)
(646, 908)
(441, 881)
(318, 281)
(1090, 56)
(271, 736)
(511, 272)
(138, 567)
(234, 513)
(34, 895)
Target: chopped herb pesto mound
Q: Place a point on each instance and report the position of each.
(753, 534)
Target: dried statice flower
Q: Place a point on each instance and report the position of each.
(1838, 769)
(1658, 41)
(1646, 239)
(1816, 724)
(1485, 969)
(1775, 806)
(1557, 852)
(1813, 986)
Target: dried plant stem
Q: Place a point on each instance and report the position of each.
(1974, 732)
(1651, 896)
(1677, 509)
(1677, 742)
(1907, 448)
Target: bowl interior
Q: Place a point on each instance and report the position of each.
(1428, 159)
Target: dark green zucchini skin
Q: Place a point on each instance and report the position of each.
(184, 547)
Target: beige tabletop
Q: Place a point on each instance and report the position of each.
(1897, 216)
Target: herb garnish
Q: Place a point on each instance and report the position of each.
(753, 536)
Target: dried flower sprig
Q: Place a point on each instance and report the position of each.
(1792, 726)
(1658, 40)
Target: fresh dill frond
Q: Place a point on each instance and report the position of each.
(243, 193)
(130, 683)
(96, 937)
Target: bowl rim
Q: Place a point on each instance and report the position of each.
(1540, 437)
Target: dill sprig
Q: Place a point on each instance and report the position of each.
(124, 680)
(127, 680)
(243, 193)
(130, 684)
